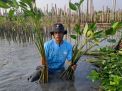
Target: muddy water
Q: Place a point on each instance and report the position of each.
(17, 62)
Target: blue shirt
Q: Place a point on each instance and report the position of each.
(56, 54)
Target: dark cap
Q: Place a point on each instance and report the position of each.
(58, 27)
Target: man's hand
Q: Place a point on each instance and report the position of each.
(74, 67)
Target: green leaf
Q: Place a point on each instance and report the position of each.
(15, 4)
(114, 25)
(120, 86)
(77, 29)
(27, 2)
(90, 34)
(72, 6)
(111, 40)
(93, 26)
(96, 41)
(23, 6)
(11, 13)
(4, 5)
(73, 36)
(115, 80)
(85, 29)
(28, 13)
(117, 25)
(81, 1)
(110, 31)
(77, 4)
(94, 76)
(99, 34)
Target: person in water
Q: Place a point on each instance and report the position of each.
(58, 51)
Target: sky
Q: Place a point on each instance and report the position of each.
(98, 4)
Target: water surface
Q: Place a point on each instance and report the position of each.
(17, 62)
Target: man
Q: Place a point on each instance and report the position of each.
(57, 51)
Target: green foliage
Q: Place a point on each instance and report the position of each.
(117, 25)
(25, 5)
(114, 28)
(4, 5)
(29, 11)
(110, 70)
(77, 29)
(86, 28)
(94, 75)
(79, 4)
(99, 34)
(90, 35)
(14, 4)
(72, 6)
(81, 1)
(73, 36)
(11, 13)
(106, 50)
(75, 6)
(111, 40)
(89, 30)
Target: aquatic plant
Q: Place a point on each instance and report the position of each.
(109, 71)
(90, 35)
(36, 15)
(30, 11)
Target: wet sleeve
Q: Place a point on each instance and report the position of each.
(70, 53)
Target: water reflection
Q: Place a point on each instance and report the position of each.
(58, 86)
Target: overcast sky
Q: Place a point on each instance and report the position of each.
(98, 4)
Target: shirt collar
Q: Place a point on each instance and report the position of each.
(57, 43)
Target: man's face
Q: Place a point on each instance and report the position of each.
(58, 36)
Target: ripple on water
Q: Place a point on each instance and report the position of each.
(16, 62)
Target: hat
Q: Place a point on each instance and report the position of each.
(58, 27)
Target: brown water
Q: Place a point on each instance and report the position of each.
(17, 62)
